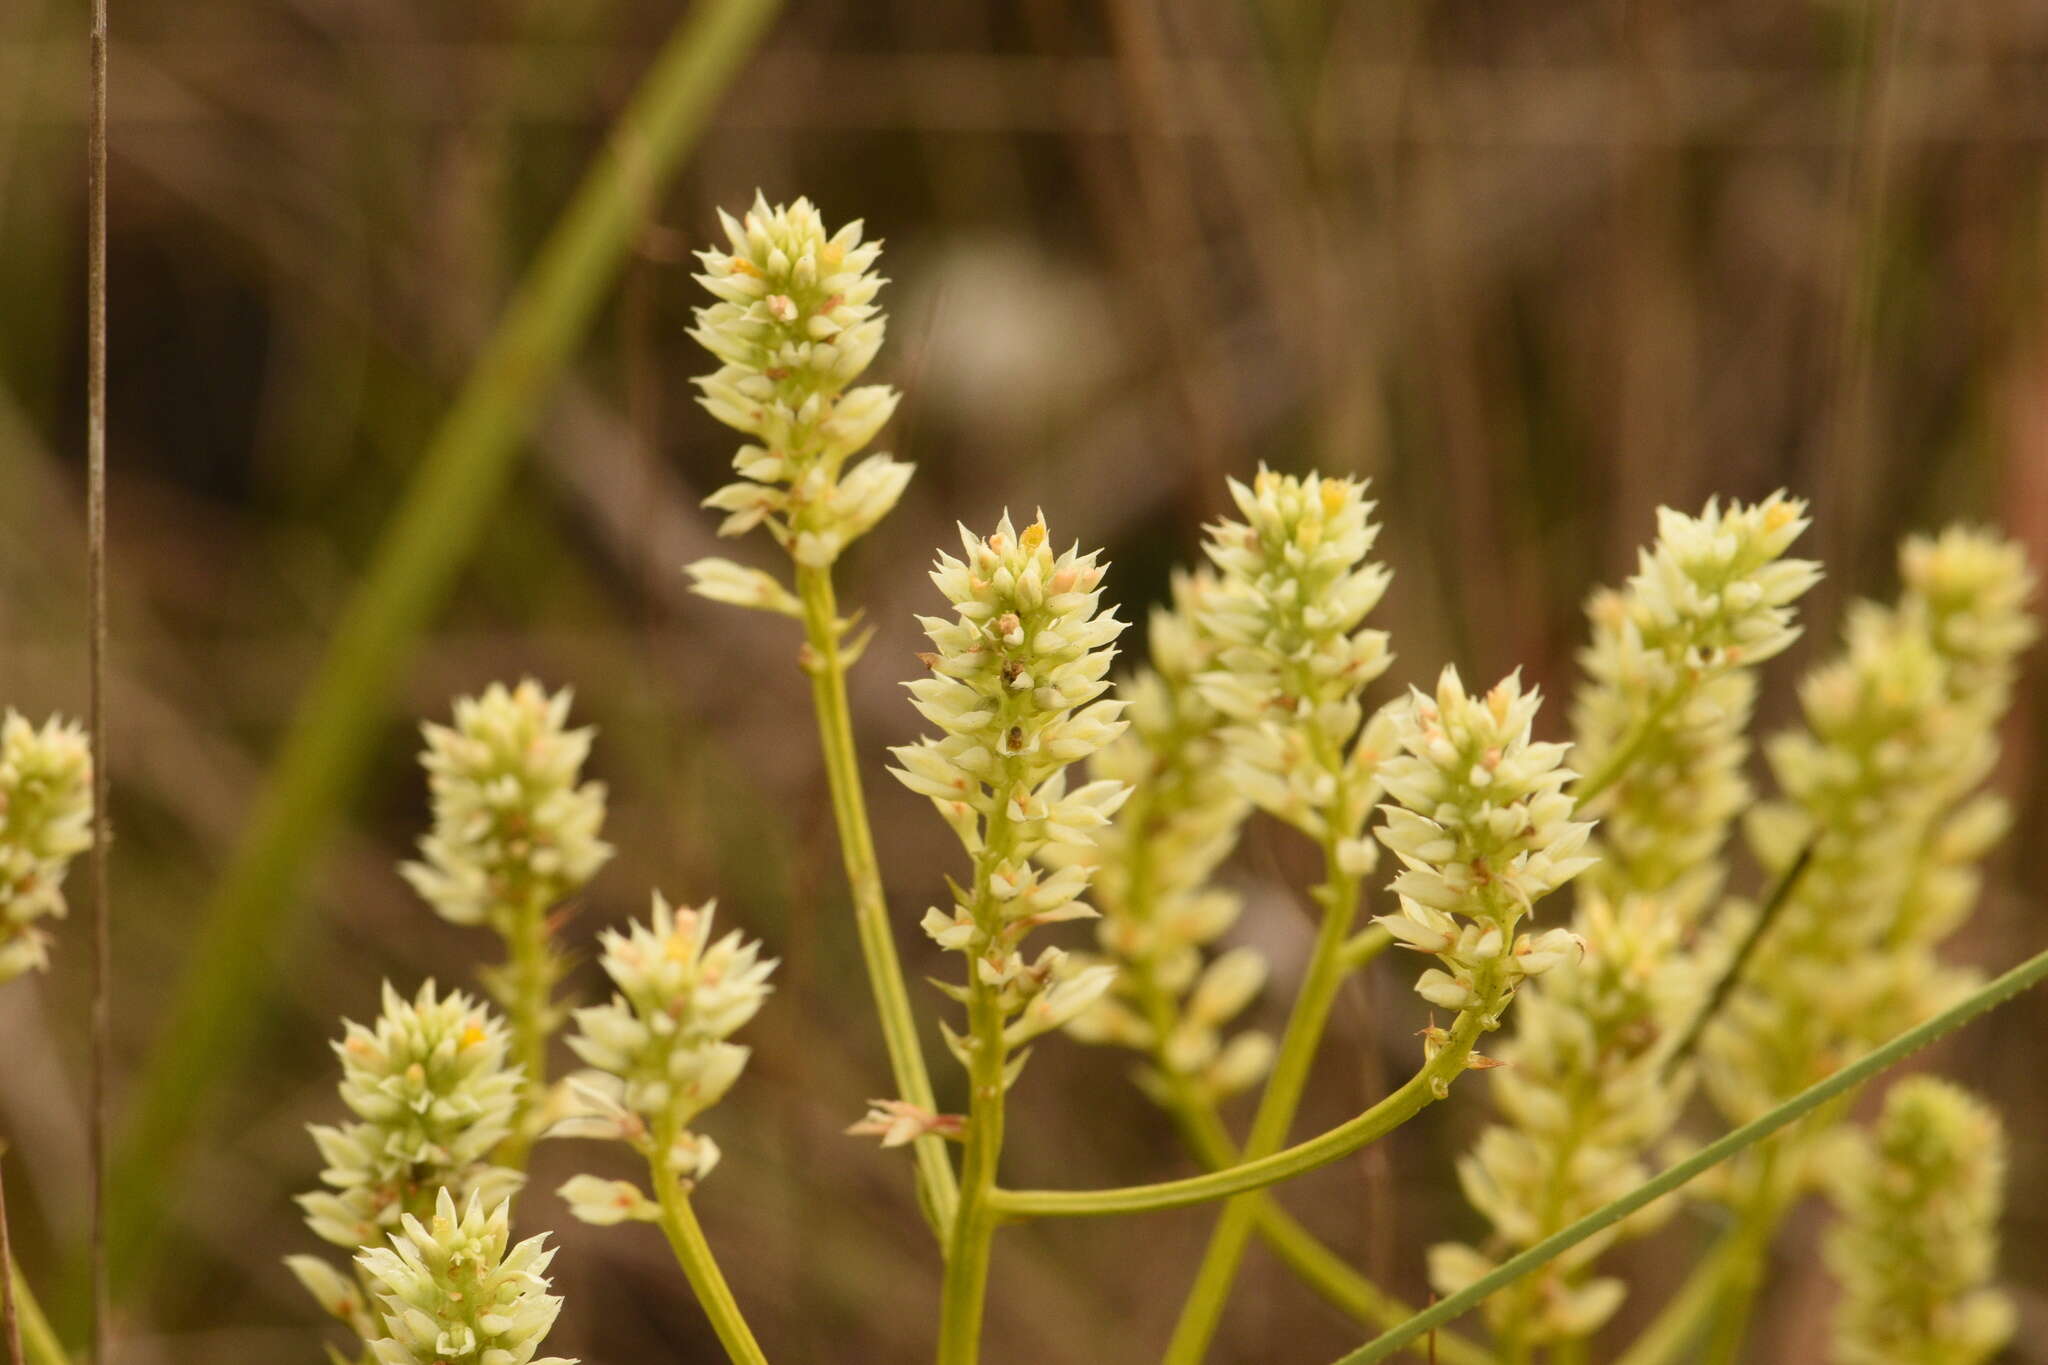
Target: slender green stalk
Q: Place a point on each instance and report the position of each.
(967, 1257)
(686, 1239)
(1336, 1144)
(1780, 896)
(1985, 998)
(1202, 1313)
(464, 471)
(965, 1291)
(1300, 1250)
(1681, 1320)
(938, 1188)
(530, 979)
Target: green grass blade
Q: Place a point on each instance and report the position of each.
(1986, 998)
(461, 477)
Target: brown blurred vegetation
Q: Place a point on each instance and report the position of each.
(1533, 268)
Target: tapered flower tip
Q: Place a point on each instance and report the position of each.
(451, 1291)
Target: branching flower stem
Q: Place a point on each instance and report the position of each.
(1203, 1311)
(1981, 1001)
(1299, 1249)
(1390, 1113)
(693, 1253)
(826, 662)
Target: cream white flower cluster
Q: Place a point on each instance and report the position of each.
(660, 1050)
(515, 826)
(1669, 689)
(1484, 830)
(453, 1290)
(1293, 656)
(1900, 732)
(1016, 685)
(45, 822)
(1586, 1090)
(432, 1095)
(795, 325)
(1152, 869)
(1917, 1249)
(1972, 591)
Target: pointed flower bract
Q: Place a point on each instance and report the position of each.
(450, 1290)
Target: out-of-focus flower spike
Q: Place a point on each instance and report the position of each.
(1916, 1250)
(45, 822)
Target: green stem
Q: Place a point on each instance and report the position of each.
(967, 1257)
(965, 1292)
(38, 1341)
(332, 741)
(1336, 1144)
(1300, 1250)
(1779, 897)
(1202, 1313)
(693, 1253)
(1985, 998)
(529, 989)
(937, 1185)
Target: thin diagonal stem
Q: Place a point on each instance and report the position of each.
(96, 667)
(461, 475)
(1984, 999)
(938, 1187)
(1780, 896)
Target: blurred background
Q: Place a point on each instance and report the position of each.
(1533, 268)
